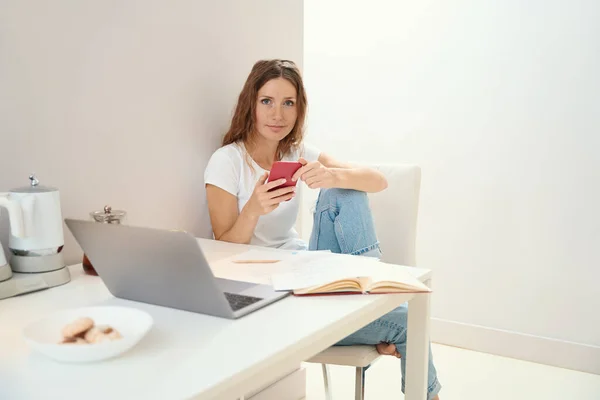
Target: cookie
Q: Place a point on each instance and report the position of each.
(93, 335)
(78, 327)
(101, 334)
(113, 334)
(76, 340)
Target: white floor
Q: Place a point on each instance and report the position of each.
(465, 375)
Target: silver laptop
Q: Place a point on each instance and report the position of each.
(165, 268)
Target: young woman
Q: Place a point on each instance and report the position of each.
(267, 126)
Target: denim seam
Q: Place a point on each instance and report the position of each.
(320, 212)
(317, 231)
(331, 207)
(341, 240)
(328, 207)
(434, 385)
(389, 324)
(364, 250)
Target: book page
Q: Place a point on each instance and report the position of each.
(258, 265)
(309, 275)
(255, 273)
(270, 255)
(393, 273)
(321, 272)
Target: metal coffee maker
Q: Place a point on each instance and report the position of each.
(105, 216)
(35, 241)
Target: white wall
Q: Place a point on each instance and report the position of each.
(122, 103)
(499, 103)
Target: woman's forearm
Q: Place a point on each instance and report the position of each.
(363, 179)
(242, 230)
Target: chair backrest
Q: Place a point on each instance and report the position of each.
(395, 212)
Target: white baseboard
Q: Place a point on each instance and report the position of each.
(558, 353)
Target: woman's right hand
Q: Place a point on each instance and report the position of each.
(262, 201)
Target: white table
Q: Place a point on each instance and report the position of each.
(188, 355)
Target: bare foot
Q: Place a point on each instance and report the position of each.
(436, 398)
(387, 349)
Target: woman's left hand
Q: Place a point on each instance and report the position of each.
(315, 175)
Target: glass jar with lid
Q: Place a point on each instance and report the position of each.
(105, 216)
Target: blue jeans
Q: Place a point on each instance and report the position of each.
(343, 224)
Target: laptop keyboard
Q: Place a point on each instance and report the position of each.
(239, 301)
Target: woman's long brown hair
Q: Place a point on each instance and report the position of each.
(243, 123)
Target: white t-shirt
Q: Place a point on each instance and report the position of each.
(228, 169)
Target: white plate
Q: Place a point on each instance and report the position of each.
(45, 334)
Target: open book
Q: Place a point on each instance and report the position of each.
(353, 276)
(362, 285)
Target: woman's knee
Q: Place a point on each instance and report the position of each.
(343, 196)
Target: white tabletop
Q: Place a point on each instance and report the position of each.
(185, 355)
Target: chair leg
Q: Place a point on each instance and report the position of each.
(326, 381)
(359, 388)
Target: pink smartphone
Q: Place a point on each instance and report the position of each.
(284, 169)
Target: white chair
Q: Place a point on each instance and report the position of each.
(395, 214)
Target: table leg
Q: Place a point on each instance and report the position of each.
(327, 382)
(417, 349)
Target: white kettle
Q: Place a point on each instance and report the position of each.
(15, 217)
(36, 235)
